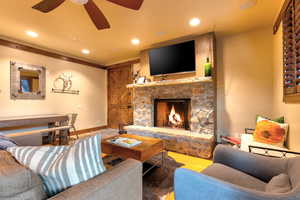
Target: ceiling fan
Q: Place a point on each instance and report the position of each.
(92, 9)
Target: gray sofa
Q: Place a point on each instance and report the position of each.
(237, 175)
(122, 182)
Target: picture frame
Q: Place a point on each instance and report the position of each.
(31, 76)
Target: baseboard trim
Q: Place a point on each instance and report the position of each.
(83, 131)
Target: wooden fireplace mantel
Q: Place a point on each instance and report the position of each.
(172, 82)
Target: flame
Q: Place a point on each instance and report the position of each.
(174, 117)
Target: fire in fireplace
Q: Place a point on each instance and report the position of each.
(172, 113)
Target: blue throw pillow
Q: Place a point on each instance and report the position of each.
(6, 142)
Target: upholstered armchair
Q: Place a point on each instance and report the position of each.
(240, 175)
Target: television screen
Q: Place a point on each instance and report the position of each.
(173, 59)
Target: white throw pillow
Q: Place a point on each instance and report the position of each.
(61, 167)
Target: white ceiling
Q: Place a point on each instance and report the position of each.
(68, 28)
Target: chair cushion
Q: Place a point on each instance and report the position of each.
(233, 176)
(63, 166)
(14, 178)
(279, 184)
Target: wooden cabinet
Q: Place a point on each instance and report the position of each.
(120, 110)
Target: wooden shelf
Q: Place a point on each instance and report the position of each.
(172, 82)
(47, 130)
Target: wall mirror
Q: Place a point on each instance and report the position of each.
(27, 81)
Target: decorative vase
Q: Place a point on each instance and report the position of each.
(207, 68)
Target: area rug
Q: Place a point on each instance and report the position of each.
(158, 183)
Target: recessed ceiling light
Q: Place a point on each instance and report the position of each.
(247, 4)
(194, 22)
(135, 41)
(85, 51)
(161, 33)
(32, 34)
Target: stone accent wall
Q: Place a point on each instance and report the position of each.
(202, 104)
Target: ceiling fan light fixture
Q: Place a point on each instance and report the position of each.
(80, 2)
(95, 14)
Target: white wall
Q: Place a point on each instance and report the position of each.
(91, 104)
(245, 89)
(291, 111)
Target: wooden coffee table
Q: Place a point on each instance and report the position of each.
(142, 152)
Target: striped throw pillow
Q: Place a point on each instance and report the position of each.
(61, 167)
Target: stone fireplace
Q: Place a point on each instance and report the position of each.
(193, 127)
(182, 114)
(201, 98)
(172, 113)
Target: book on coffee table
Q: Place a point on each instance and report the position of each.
(125, 142)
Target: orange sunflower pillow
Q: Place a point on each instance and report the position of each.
(270, 132)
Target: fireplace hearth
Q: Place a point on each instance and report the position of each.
(172, 113)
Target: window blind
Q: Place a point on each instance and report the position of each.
(297, 43)
(291, 48)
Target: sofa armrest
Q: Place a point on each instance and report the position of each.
(261, 167)
(123, 182)
(193, 185)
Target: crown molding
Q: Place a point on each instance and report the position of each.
(23, 47)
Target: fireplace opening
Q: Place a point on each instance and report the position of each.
(172, 113)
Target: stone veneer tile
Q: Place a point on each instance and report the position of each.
(202, 97)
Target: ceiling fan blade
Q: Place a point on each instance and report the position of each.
(132, 4)
(96, 15)
(48, 5)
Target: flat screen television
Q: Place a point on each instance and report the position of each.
(173, 59)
